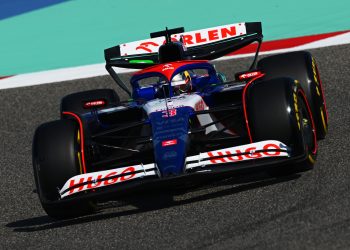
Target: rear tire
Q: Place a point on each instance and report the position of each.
(277, 111)
(301, 66)
(55, 160)
(75, 102)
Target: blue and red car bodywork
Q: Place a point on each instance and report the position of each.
(176, 124)
(163, 135)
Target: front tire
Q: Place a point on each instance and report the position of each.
(55, 160)
(278, 110)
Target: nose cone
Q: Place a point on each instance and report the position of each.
(170, 136)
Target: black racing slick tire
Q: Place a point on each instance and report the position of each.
(277, 110)
(300, 66)
(76, 102)
(56, 159)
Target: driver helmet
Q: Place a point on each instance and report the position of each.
(182, 82)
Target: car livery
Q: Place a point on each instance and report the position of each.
(183, 119)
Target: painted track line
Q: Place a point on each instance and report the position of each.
(340, 38)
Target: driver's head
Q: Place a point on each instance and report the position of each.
(182, 82)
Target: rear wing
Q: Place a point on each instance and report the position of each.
(205, 44)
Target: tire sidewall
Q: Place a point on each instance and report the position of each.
(54, 157)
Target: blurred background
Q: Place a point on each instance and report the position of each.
(37, 35)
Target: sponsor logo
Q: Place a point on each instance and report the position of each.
(169, 106)
(167, 66)
(147, 46)
(248, 153)
(249, 75)
(95, 103)
(253, 151)
(296, 109)
(209, 36)
(188, 39)
(97, 181)
(169, 143)
(191, 38)
(314, 70)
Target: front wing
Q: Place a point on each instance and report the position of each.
(208, 161)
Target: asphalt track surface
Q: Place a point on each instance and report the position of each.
(303, 211)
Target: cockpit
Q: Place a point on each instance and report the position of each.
(173, 79)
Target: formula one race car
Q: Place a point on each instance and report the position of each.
(184, 119)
